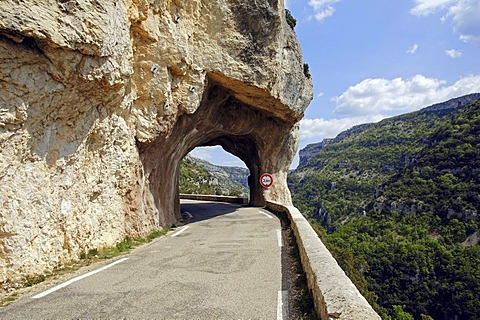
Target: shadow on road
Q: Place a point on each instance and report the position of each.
(204, 210)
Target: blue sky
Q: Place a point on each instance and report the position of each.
(373, 59)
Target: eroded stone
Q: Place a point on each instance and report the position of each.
(100, 100)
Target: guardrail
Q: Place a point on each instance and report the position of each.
(334, 294)
(203, 197)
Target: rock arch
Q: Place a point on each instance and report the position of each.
(100, 100)
(236, 119)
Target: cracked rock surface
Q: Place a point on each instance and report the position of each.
(100, 100)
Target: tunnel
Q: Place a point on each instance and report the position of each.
(244, 148)
(241, 122)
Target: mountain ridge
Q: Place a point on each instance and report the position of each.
(446, 106)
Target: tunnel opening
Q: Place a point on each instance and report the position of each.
(264, 141)
(210, 170)
(245, 149)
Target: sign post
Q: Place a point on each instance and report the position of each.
(266, 180)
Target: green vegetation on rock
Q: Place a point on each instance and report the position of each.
(292, 22)
(195, 179)
(201, 177)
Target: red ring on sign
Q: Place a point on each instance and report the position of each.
(266, 180)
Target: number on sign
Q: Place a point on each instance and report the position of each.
(266, 180)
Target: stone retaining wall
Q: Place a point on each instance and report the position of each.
(334, 294)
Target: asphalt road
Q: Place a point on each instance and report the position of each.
(226, 263)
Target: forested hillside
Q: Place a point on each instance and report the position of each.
(397, 204)
(201, 177)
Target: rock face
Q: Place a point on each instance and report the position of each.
(238, 174)
(227, 178)
(310, 151)
(100, 100)
(454, 103)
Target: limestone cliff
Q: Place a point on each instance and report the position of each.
(100, 100)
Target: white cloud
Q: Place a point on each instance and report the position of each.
(464, 13)
(216, 155)
(452, 53)
(321, 128)
(375, 99)
(391, 97)
(321, 94)
(413, 49)
(426, 7)
(204, 153)
(323, 8)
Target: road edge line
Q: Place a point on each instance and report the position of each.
(179, 231)
(83, 276)
(282, 305)
(279, 238)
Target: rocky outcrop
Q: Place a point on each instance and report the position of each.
(100, 100)
(307, 153)
(455, 103)
(310, 151)
(472, 240)
(237, 174)
(228, 179)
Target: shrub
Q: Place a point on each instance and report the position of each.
(306, 70)
(292, 22)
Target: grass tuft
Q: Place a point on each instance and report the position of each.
(156, 234)
(33, 280)
(122, 247)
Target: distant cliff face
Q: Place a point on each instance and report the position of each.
(202, 177)
(238, 174)
(309, 151)
(452, 104)
(100, 100)
(312, 149)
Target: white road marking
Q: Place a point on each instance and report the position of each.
(282, 305)
(69, 282)
(179, 231)
(266, 214)
(279, 238)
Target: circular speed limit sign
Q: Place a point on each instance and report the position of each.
(266, 180)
